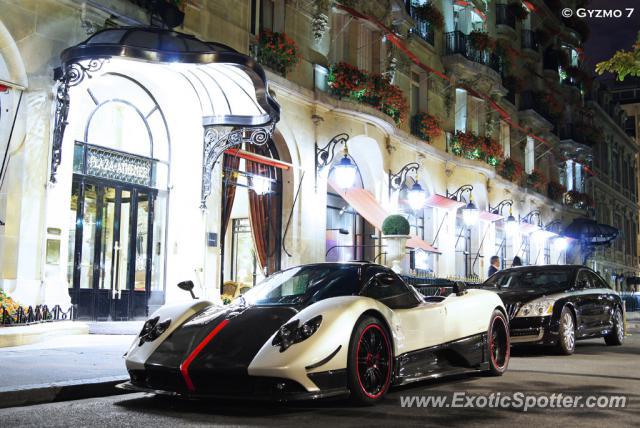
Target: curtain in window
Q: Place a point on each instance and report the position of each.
(265, 213)
(230, 163)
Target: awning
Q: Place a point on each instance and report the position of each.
(527, 228)
(489, 216)
(591, 232)
(254, 157)
(366, 205)
(231, 87)
(439, 201)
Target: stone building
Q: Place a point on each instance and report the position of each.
(472, 100)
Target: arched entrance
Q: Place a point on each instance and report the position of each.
(251, 217)
(118, 197)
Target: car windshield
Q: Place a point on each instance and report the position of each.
(533, 279)
(305, 284)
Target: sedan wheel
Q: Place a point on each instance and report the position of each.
(370, 362)
(567, 339)
(616, 337)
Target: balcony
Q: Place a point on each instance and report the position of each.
(457, 42)
(423, 29)
(529, 40)
(550, 60)
(503, 17)
(534, 111)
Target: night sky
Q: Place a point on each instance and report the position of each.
(609, 35)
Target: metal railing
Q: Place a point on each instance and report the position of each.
(503, 17)
(39, 314)
(456, 42)
(423, 28)
(530, 101)
(529, 40)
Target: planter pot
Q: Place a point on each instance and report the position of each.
(395, 246)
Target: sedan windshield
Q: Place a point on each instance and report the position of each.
(519, 279)
(305, 284)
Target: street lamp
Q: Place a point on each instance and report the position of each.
(529, 218)
(416, 194)
(511, 224)
(345, 170)
(470, 212)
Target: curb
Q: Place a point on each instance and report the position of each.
(27, 334)
(49, 393)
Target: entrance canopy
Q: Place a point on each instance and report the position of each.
(231, 87)
(591, 232)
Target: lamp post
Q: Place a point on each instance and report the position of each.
(529, 218)
(416, 195)
(345, 170)
(511, 223)
(470, 212)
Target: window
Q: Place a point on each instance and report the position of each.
(501, 244)
(476, 115)
(244, 266)
(529, 155)
(415, 93)
(273, 15)
(364, 47)
(505, 138)
(461, 110)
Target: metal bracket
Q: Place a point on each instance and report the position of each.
(217, 140)
(68, 75)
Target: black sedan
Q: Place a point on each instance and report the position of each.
(559, 304)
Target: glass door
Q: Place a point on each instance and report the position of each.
(110, 250)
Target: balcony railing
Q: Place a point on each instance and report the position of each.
(529, 100)
(503, 17)
(575, 132)
(529, 40)
(457, 42)
(423, 28)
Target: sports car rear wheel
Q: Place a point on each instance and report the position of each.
(498, 344)
(616, 337)
(370, 361)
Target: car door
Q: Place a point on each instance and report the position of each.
(417, 327)
(586, 304)
(604, 301)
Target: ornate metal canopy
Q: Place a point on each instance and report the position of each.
(231, 86)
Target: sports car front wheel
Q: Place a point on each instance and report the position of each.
(370, 361)
(499, 351)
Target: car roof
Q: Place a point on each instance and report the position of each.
(539, 268)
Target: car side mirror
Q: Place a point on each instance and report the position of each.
(460, 288)
(187, 286)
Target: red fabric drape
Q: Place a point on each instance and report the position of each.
(264, 213)
(230, 163)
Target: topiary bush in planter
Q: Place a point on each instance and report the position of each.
(395, 225)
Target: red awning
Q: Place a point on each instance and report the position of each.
(258, 158)
(439, 201)
(366, 205)
(527, 228)
(489, 216)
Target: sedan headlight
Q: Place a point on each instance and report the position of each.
(293, 332)
(537, 308)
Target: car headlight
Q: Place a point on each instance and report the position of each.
(152, 329)
(537, 308)
(293, 332)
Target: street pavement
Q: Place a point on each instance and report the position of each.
(593, 370)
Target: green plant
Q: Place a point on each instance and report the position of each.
(536, 180)
(278, 51)
(395, 224)
(511, 169)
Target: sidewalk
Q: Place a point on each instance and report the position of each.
(63, 368)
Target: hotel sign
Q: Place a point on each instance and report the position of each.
(118, 166)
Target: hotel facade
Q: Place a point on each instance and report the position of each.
(482, 104)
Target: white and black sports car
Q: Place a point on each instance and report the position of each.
(559, 304)
(319, 330)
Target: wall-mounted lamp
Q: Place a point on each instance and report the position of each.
(416, 195)
(345, 170)
(530, 216)
(511, 224)
(470, 212)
